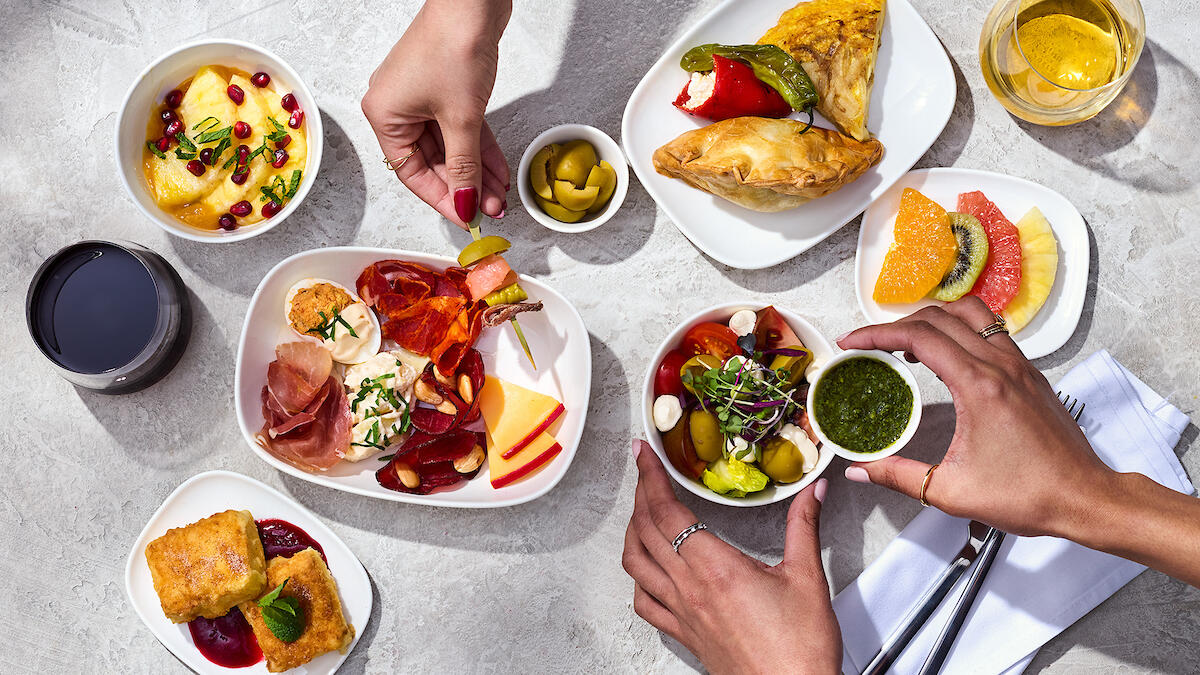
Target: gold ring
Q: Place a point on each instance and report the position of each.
(996, 327)
(395, 164)
(925, 484)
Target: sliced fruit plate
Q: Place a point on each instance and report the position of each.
(942, 233)
(556, 338)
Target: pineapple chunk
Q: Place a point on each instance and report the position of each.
(253, 111)
(1039, 265)
(173, 184)
(298, 148)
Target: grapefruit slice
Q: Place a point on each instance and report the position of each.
(923, 251)
(1001, 277)
(1039, 265)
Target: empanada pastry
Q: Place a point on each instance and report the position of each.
(836, 41)
(766, 164)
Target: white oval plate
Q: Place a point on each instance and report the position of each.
(213, 492)
(913, 96)
(822, 351)
(556, 335)
(1056, 321)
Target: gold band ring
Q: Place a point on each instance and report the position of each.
(994, 328)
(925, 484)
(395, 164)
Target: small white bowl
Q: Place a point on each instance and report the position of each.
(606, 149)
(914, 420)
(146, 94)
(822, 351)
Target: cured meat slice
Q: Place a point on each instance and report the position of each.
(297, 374)
(318, 443)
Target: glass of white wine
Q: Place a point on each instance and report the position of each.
(1057, 62)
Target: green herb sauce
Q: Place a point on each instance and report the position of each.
(862, 404)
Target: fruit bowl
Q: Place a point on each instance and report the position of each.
(606, 149)
(148, 90)
(822, 351)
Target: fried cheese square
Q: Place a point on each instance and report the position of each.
(208, 567)
(325, 626)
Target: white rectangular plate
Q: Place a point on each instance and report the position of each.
(557, 337)
(1056, 321)
(913, 95)
(216, 491)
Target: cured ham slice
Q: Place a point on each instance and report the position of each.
(297, 374)
(306, 412)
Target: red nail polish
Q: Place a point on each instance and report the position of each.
(466, 203)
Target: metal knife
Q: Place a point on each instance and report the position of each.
(941, 647)
(929, 602)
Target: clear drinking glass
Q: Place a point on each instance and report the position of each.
(1057, 62)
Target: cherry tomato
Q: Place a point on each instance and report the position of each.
(666, 380)
(677, 443)
(771, 331)
(711, 338)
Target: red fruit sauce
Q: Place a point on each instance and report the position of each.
(229, 640)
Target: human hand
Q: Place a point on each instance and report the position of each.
(426, 102)
(1017, 460)
(735, 613)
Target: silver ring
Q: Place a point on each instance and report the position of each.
(999, 326)
(687, 532)
(395, 164)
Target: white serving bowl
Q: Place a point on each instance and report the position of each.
(146, 94)
(914, 420)
(822, 351)
(606, 149)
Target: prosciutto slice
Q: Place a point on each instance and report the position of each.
(297, 374)
(306, 412)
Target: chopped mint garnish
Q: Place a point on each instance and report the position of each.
(283, 615)
(152, 145)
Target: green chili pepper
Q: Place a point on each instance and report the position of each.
(775, 67)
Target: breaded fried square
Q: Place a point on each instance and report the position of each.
(325, 626)
(208, 567)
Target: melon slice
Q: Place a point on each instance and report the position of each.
(1039, 266)
(1001, 277)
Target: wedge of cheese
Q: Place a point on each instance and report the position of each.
(515, 416)
(535, 454)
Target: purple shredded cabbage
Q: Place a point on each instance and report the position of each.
(786, 351)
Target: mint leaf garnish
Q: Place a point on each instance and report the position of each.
(282, 615)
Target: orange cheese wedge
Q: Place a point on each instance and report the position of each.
(536, 453)
(515, 416)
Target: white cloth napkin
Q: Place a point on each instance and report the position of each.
(1038, 586)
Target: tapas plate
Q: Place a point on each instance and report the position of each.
(913, 96)
(212, 492)
(556, 335)
(1056, 321)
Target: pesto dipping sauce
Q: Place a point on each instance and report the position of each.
(862, 404)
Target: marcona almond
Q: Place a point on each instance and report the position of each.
(465, 389)
(408, 477)
(471, 461)
(447, 408)
(447, 380)
(426, 394)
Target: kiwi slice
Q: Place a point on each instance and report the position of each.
(972, 256)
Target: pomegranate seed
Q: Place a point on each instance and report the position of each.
(281, 158)
(168, 116)
(243, 151)
(260, 79)
(236, 94)
(283, 142)
(239, 177)
(173, 128)
(288, 102)
(195, 167)
(173, 98)
(271, 208)
(206, 156)
(164, 144)
(241, 130)
(241, 209)
(227, 222)
(296, 119)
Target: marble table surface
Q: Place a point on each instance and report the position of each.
(539, 587)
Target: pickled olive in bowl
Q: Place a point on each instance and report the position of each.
(782, 461)
(707, 439)
(574, 162)
(570, 182)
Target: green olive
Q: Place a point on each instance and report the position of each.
(794, 365)
(706, 435)
(574, 162)
(697, 366)
(782, 461)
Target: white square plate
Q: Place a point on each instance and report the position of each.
(216, 491)
(1056, 321)
(557, 337)
(913, 95)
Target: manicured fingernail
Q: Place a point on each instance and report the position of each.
(637, 447)
(842, 336)
(466, 203)
(501, 214)
(857, 474)
(820, 488)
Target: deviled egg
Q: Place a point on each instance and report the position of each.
(327, 311)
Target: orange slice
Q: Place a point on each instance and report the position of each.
(922, 253)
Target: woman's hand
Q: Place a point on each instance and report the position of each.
(426, 102)
(1017, 461)
(736, 614)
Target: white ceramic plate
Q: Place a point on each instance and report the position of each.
(556, 335)
(913, 95)
(1056, 321)
(216, 491)
(822, 351)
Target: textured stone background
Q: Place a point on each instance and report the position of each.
(536, 588)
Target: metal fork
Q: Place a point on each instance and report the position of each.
(992, 542)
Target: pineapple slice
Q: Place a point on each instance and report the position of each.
(253, 111)
(1039, 264)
